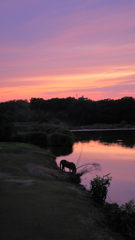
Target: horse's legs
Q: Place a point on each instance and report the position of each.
(63, 168)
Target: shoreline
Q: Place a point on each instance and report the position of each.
(102, 129)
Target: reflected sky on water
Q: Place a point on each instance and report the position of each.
(115, 158)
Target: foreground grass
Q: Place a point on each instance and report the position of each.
(22, 147)
(42, 211)
(14, 157)
(34, 209)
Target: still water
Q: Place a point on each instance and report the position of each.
(115, 152)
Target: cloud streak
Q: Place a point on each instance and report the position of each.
(66, 47)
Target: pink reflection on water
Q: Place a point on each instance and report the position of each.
(115, 159)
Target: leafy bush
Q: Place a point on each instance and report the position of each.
(38, 134)
(57, 139)
(65, 131)
(61, 150)
(99, 188)
(49, 128)
(122, 218)
(37, 138)
(6, 128)
(19, 138)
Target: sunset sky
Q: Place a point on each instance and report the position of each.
(70, 48)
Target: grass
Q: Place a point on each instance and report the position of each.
(15, 156)
(42, 212)
(30, 212)
(36, 209)
(23, 147)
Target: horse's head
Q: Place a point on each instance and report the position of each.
(74, 169)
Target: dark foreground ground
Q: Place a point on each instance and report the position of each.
(36, 203)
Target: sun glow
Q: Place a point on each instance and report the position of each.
(65, 85)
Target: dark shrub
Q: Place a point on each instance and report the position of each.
(122, 218)
(57, 139)
(37, 138)
(6, 128)
(61, 150)
(19, 138)
(99, 188)
(65, 131)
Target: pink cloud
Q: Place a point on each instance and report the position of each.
(84, 39)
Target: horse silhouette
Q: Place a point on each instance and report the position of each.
(70, 165)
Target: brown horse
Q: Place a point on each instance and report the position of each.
(70, 165)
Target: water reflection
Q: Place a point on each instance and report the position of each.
(116, 157)
(125, 138)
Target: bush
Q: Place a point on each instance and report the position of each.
(57, 139)
(49, 128)
(6, 128)
(66, 132)
(37, 138)
(19, 138)
(61, 150)
(122, 218)
(99, 188)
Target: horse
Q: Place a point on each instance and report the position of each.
(70, 165)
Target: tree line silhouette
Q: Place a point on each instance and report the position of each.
(76, 112)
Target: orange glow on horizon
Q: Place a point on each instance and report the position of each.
(66, 85)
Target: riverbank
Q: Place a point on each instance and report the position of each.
(101, 129)
(38, 203)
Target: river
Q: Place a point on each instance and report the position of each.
(115, 152)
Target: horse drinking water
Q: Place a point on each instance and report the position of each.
(70, 165)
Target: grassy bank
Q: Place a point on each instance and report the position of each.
(36, 203)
